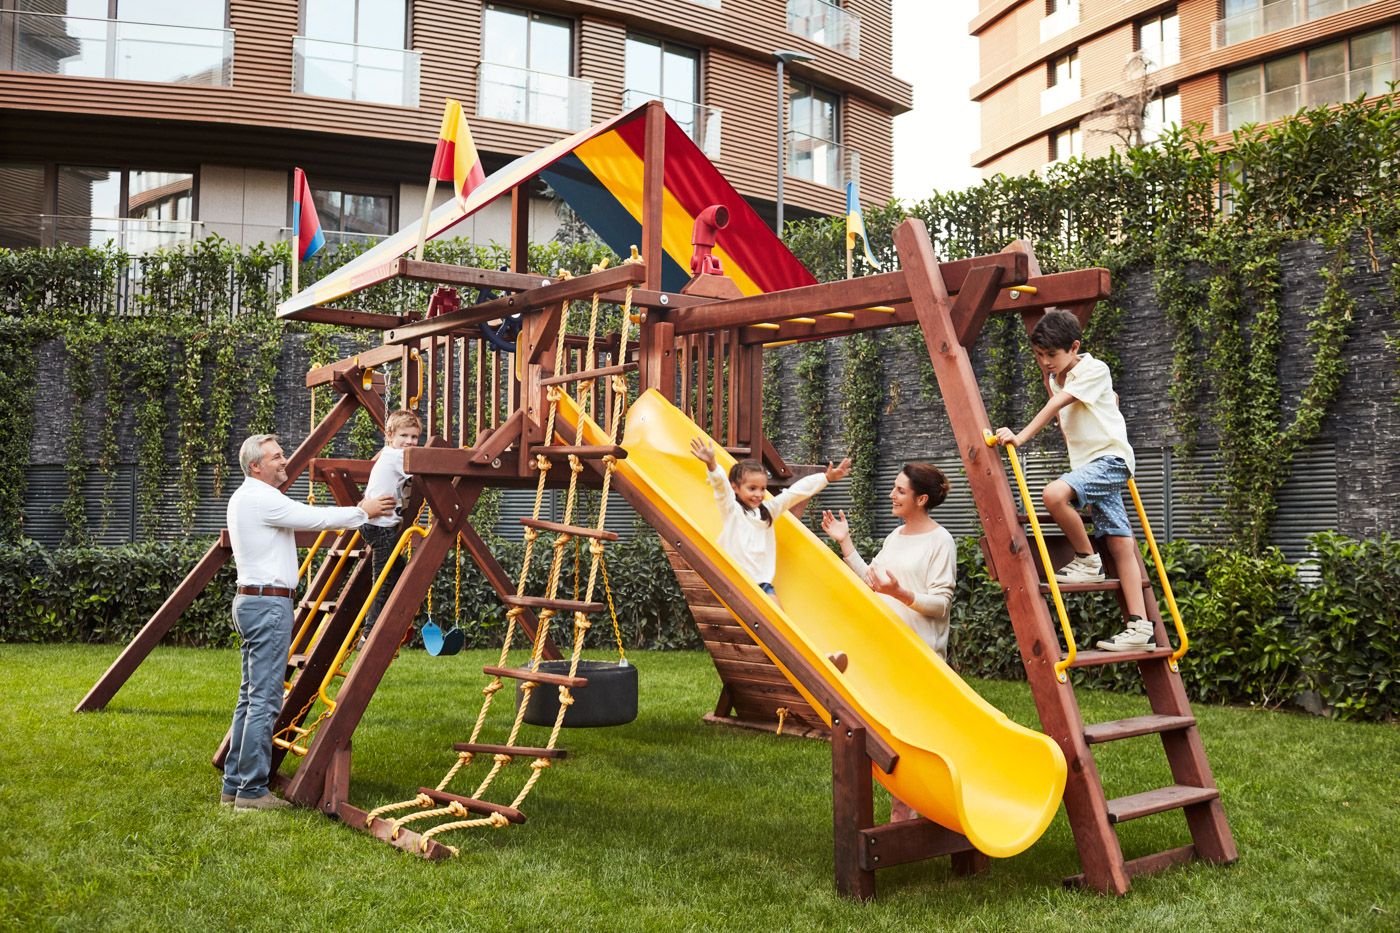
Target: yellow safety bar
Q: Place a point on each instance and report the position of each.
(1180, 652)
(1018, 290)
(417, 358)
(325, 590)
(1061, 666)
(311, 553)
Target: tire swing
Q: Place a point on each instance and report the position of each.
(611, 696)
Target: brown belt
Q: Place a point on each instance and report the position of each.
(264, 591)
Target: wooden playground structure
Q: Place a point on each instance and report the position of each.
(513, 420)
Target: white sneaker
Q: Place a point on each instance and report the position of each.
(1081, 570)
(1136, 637)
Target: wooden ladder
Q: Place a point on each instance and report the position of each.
(951, 324)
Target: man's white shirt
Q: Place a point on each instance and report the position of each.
(262, 526)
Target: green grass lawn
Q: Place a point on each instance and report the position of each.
(666, 823)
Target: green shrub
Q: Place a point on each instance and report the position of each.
(1351, 621)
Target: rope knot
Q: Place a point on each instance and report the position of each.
(610, 460)
(566, 699)
(456, 809)
(553, 394)
(465, 758)
(515, 612)
(575, 464)
(581, 623)
(502, 759)
(491, 688)
(498, 821)
(542, 463)
(531, 534)
(539, 764)
(595, 547)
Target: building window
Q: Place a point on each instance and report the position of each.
(1360, 66)
(1162, 114)
(1159, 41)
(657, 69)
(349, 215)
(139, 210)
(527, 64)
(1064, 70)
(814, 140)
(1067, 143)
(356, 50)
(135, 40)
(21, 205)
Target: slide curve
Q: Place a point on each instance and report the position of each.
(962, 762)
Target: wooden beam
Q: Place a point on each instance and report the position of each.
(852, 805)
(974, 303)
(449, 274)
(520, 228)
(843, 295)
(582, 286)
(911, 841)
(349, 317)
(377, 356)
(653, 193)
(403, 838)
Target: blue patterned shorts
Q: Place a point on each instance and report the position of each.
(1099, 485)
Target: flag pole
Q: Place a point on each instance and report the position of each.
(849, 250)
(427, 212)
(296, 261)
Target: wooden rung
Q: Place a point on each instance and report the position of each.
(558, 605)
(1045, 518)
(518, 751)
(1158, 801)
(297, 661)
(472, 804)
(327, 605)
(537, 677)
(340, 552)
(583, 452)
(1099, 587)
(738, 451)
(590, 374)
(574, 530)
(1147, 864)
(1093, 658)
(1138, 725)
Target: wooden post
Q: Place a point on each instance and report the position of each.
(520, 228)
(852, 806)
(657, 348)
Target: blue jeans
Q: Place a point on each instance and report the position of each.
(264, 624)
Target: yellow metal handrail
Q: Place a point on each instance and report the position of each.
(1180, 652)
(1061, 666)
(297, 641)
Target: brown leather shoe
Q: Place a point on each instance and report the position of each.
(265, 802)
(226, 800)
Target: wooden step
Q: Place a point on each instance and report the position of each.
(519, 751)
(583, 374)
(1138, 725)
(572, 530)
(558, 605)
(1094, 658)
(1101, 586)
(340, 552)
(1158, 801)
(296, 662)
(1045, 518)
(583, 452)
(1147, 864)
(327, 605)
(472, 804)
(537, 677)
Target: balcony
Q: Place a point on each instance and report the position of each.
(534, 97)
(826, 23)
(1284, 102)
(1271, 17)
(44, 43)
(700, 123)
(1061, 21)
(355, 72)
(1060, 95)
(820, 160)
(126, 233)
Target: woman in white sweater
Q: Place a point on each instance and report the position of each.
(917, 568)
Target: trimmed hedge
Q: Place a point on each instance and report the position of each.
(1258, 635)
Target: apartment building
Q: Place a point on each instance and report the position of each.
(154, 122)
(1063, 78)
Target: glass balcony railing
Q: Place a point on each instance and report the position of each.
(1284, 102)
(700, 123)
(44, 43)
(1062, 20)
(519, 95)
(1271, 17)
(355, 72)
(127, 233)
(819, 160)
(833, 26)
(1059, 95)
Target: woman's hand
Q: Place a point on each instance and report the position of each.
(703, 451)
(837, 529)
(883, 582)
(838, 472)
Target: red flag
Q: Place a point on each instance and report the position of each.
(306, 226)
(456, 158)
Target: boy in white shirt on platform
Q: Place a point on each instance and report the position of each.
(1101, 462)
(387, 478)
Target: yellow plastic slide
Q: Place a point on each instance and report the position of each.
(962, 763)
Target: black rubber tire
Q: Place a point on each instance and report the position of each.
(610, 699)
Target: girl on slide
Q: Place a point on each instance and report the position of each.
(747, 535)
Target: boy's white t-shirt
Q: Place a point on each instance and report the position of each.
(1093, 426)
(387, 478)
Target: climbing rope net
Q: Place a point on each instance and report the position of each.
(473, 811)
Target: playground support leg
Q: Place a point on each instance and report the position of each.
(852, 807)
(154, 630)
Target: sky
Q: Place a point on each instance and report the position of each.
(933, 52)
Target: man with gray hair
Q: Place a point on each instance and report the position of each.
(262, 526)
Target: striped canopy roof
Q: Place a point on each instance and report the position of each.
(598, 172)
